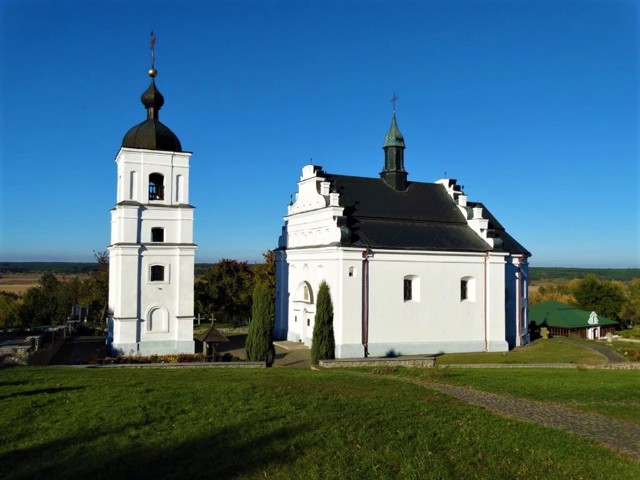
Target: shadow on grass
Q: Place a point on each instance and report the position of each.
(13, 383)
(39, 391)
(222, 453)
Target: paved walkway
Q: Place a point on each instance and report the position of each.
(618, 435)
(607, 351)
(292, 354)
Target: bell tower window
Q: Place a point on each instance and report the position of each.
(156, 186)
(157, 273)
(157, 234)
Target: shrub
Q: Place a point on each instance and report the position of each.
(323, 344)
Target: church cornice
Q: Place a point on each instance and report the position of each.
(132, 203)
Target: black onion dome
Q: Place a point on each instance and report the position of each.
(152, 134)
(152, 98)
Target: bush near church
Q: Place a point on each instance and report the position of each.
(323, 346)
(259, 344)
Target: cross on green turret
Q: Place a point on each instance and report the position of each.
(394, 173)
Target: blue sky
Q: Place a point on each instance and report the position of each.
(531, 105)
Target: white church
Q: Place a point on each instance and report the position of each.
(413, 267)
(151, 255)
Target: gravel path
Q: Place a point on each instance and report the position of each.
(606, 350)
(618, 435)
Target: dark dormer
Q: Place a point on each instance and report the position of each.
(394, 173)
(152, 134)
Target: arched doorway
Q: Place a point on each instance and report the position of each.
(304, 312)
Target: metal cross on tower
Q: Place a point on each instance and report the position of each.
(394, 99)
(152, 43)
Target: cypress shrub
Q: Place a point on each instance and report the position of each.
(259, 344)
(323, 344)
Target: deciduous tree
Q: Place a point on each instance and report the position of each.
(225, 291)
(631, 309)
(10, 305)
(601, 296)
(96, 295)
(266, 272)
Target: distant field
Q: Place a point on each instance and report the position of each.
(19, 283)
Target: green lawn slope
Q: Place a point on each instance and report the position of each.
(61, 422)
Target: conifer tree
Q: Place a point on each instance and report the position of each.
(323, 345)
(259, 344)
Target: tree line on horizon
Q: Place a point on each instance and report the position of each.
(223, 291)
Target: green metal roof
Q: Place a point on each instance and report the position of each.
(561, 315)
(393, 138)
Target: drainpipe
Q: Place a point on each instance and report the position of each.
(484, 303)
(519, 302)
(365, 300)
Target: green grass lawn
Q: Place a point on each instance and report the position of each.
(61, 422)
(614, 393)
(553, 350)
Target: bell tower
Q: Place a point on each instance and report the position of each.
(394, 173)
(151, 255)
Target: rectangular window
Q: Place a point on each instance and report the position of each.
(157, 234)
(408, 293)
(464, 293)
(157, 273)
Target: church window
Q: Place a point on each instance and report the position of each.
(411, 284)
(408, 294)
(157, 234)
(304, 293)
(467, 289)
(157, 273)
(156, 186)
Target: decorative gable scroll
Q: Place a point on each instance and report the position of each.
(316, 217)
(473, 215)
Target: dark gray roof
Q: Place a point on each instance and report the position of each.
(152, 135)
(423, 217)
(212, 335)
